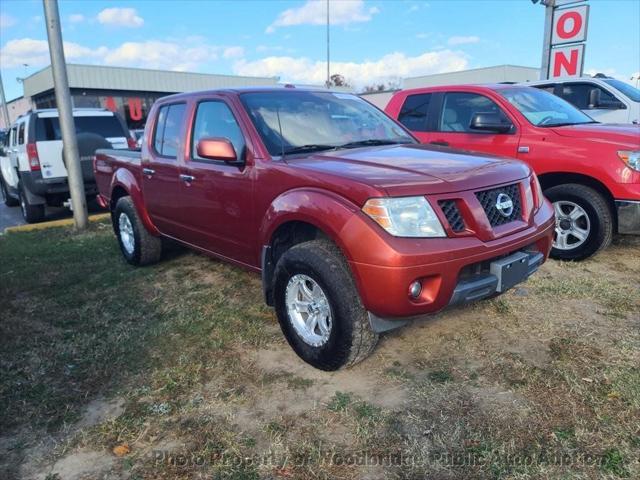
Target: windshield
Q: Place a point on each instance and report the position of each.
(299, 122)
(544, 109)
(629, 90)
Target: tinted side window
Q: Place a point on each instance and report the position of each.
(215, 119)
(21, 133)
(167, 131)
(14, 136)
(459, 108)
(108, 126)
(413, 114)
(546, 88)
(579, 94)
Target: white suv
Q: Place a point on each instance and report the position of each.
(33, 170)
(606, 100)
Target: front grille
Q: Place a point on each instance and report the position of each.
(488, 200)
(452, 214)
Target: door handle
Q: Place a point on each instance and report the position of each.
(148, 171)
(187, 178)
(442, 143)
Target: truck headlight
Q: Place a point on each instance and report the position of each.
(404, 216)
(630, 158)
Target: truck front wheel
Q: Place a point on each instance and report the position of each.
(584, 223)
(319, 308)
(138, 246)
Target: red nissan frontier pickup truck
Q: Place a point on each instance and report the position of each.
(354, 226)
(588, 170)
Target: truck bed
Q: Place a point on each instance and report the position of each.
(107, 163)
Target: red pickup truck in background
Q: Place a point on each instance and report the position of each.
(354, 226)
(589, 171)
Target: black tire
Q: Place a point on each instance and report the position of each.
(598, 212)
(9, 201)
(30, 213)
(351, 338)
(146, 248)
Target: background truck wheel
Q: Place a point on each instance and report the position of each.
(31, 213)
(584, 223)
(138, 246)
(319, 308)
(8, 200)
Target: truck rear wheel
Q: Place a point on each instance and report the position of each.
(319, 308)
(584, 223)
(137, 245)
(31, 213)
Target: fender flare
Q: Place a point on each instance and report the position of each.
(312, 206)
(124, 179)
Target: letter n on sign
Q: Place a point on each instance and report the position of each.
(567, 61)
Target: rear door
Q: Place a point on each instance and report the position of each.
(456, 109)
(48, 136)
(162, 157)
(418, 114)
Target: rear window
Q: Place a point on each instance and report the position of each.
(48, 128)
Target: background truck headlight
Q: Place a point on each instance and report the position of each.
(630, 158)
(405, 216)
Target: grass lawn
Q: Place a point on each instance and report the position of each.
(179, 371)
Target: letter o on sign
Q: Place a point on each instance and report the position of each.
(570, 25)
(571, 18)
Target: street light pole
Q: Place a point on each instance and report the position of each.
(546, 42)
(5, 110)
(328, 70)
(65, 112)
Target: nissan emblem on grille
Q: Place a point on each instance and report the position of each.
(504, 205)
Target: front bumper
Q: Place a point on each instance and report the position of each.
(628, 216)
(446, 276)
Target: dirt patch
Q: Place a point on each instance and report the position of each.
(101, 410)
(82, 465)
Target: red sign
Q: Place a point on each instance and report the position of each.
(569, 32)
(567, 61)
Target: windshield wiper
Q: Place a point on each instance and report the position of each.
(308, 148)
(564, 124)
(372, 142)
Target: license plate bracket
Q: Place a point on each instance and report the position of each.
(510, 270)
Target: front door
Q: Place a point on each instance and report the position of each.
(161, 160)
(218, 196)
(454, 126)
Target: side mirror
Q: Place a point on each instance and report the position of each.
(216, 149)
(490, 122)
(594, 98)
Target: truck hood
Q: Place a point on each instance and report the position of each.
(414, 169)
(623, 135)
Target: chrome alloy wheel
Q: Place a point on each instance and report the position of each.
(308, 310)
(572, 225)
(126, 233)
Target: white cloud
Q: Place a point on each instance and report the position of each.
(233, 52)
(76, 18)
(422, 35)
(176, 56)
(36, 52)
(314, 12)
(307, 71)
(6, 21)
(184, 54)
(120, 17)
(457, 40)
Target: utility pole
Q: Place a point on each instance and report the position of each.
(328, 63)
(65, 112)
(5, 110)
(546, 42)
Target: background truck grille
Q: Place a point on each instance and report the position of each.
(451, 212)
(488, 198)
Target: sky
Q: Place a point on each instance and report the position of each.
(372, 41)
